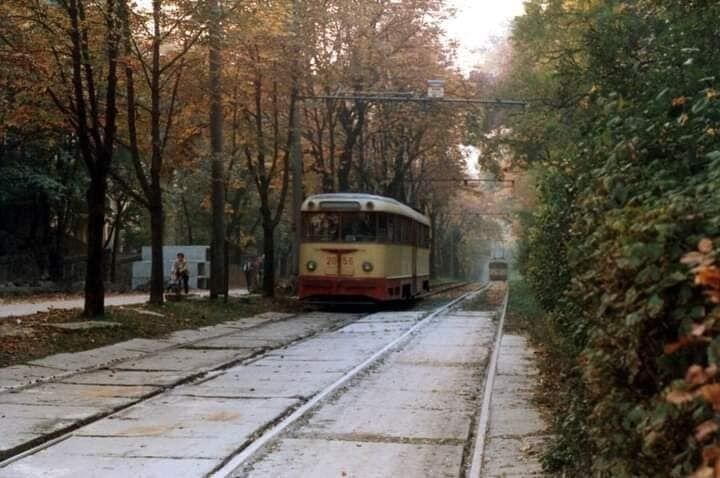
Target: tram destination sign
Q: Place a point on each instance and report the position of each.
(340, 205)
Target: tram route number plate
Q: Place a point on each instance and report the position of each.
(331, 265)
(347, 265)
(332, 261)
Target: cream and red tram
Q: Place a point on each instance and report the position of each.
(362, 247)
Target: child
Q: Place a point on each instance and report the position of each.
(180, 270)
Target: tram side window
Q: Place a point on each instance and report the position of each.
(402, 230)
(396, 229)
(358, 227)
(422, 235)
(388, 228)
(394, 235)
(407, 231)
(324, 226)
(383, 227)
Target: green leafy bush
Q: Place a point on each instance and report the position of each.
(631, 184)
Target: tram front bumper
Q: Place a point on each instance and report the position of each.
(319, 287)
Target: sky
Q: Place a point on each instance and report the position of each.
(476, 24)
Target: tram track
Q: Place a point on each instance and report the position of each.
(476, 450)
(275, 429)
(50, 439)
(441, 289)
(32, 446)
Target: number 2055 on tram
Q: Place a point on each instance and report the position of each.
(360, 247)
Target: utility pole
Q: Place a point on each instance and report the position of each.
(296, 156)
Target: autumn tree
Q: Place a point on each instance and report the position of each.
(78, 64)
(262, 58)
(40, 165)
(174, 31)
(372, 48)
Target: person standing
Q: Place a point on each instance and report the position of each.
(180, 271)
(260, 270)
(248, 270)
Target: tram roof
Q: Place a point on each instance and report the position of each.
(360, 202)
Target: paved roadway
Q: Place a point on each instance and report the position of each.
(30, 307)
(243, 400)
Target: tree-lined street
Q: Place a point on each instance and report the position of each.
(385, 391)
(158, 156)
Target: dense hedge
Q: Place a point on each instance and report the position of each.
(635, 190)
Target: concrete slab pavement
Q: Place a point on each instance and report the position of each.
(175, 415)
(227, 407)
(307, 457)
(19, 376)
(72, 466)
(65, 364)
(75, 396)
(98, 357)
(179, 413)
(517, 431)
(410, 415)
(190, 360)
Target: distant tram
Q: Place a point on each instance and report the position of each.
(498, 270)
(360, 247)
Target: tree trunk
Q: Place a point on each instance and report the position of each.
(157, 230)
(188, 226)
(329, 179)
(115, 247)
(95, 131)
(344, 169)
(352, 123)
(269, 262)
(157, 227)
(217, 246)
(433, 241)
(94, 276)
(226, 279)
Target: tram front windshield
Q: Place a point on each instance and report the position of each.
(339, 227)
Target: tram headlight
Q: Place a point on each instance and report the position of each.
(367, 266)
(311, 265)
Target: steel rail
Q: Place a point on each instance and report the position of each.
(484, 419)
(50, 439)
(243, 454)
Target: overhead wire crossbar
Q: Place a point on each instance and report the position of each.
(410, 98)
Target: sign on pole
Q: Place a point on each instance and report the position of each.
(436, 88)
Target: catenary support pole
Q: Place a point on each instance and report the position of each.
(296, 156)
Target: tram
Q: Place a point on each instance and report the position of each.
(362, 248)
(498, 270)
